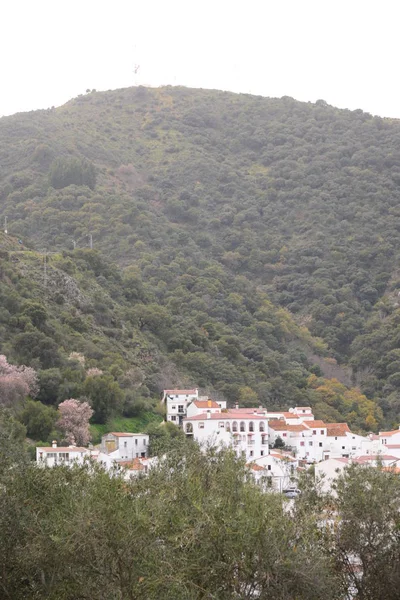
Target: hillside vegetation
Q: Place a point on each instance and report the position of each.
(250, 236)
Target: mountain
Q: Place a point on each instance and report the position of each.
(250, 241)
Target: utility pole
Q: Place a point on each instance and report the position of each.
(5, 224)
(90, 241)
(45, 267)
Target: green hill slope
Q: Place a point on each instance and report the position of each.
(219, 204)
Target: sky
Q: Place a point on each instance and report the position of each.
(342, 51)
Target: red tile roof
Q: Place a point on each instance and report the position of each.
(317, 423)
(282, 426)
(389, 433)
(206, 404)
(337, 429)
(62, 449)
(181, 392)
(237, 416)
(368, 458)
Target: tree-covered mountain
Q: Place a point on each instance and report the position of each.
(239, 224)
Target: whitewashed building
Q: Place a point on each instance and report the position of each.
(245, 431)
(176, 403)
(51, 456)
(125, 446)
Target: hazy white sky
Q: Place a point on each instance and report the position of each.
(343, 51)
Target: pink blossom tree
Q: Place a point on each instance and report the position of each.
(74, 421)
(16, 382)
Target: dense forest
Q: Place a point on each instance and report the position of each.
(242, 244)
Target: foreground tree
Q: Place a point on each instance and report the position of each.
(74, 421)
(194, 528)
(366, 541)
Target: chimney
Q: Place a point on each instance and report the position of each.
(209, 403)
(237, 405)
(54, 444)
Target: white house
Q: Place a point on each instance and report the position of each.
(328, 471)
(125, 446)
(176, 402)
(198, 407)
(246, 431)
(60, 455)
(276, 470)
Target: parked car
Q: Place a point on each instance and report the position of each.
(291, 493)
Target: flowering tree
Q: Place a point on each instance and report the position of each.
(74, 421)
(94, 372)
(16, 382)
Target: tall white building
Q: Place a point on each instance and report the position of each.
(176, 403)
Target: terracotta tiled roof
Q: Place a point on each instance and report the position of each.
(226, 416)
(388, 433)
(337, 429)
(206, 404)
(282, 426)
(124, 434)
(181, 392)
(282, 456)
(369, 458)
(255, 467)
(62, 449)
(316, 423)
(132, 465)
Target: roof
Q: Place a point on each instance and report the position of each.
(302, 408)
(337, 429)
(62, 449)
(181, 392)
(281, 456)
(393, 446)
(123, 434)
(286, 415)
(389, 433)
(315, 423)
(255, 467)
(132, 465)
(206, 404)
(282, 426)
(226, 416)
(371, 457)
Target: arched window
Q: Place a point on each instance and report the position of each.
(262, 426)
(189, 428)
(242, 426)
(227, 426)
(234, 426)
(251, 426)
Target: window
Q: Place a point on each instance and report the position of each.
(354, 447)
(242, 426)
(251, 426)
(269, 467)
(173, 407)
(51, 455)
(63, 456)
(284, 434)
(322, 432)
(173, 418)
(125, 444)
(343, 447)
(314, 432)
(336, 438)
(262, 452)
(189, 428)
(302, 443)
(137, 454)
(261, 426)
(143, 454)
(180, 408)
(221, 425)
(251, 452)
(136, 442)
(227, 426)
(310, 443)
(234, 426)
(201, 425)
(320, 444)
(144, 442)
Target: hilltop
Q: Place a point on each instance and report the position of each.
(250, 237)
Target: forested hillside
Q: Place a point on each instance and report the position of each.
(240, 225)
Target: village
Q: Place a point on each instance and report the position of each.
(277, 446)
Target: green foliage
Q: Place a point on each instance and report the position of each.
(38, 419)
(72, 171)
(105, 397)
(219, 208)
